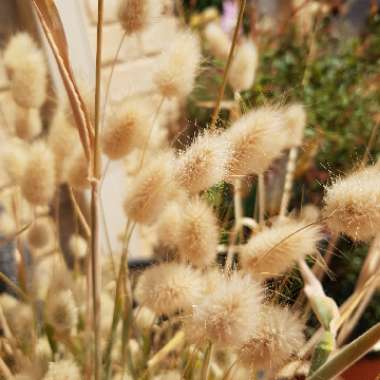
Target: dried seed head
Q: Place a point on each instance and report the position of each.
(28, 123)
(63, 370)
(168, 288)
(179, 65)
(295, 120)
(278, 337)
(228, 316)
(77, 171)
(203, 164)
(14, 159)
(38, 182)
(275, 250)
(243, 68)
(43, 355)
(127, 128)
(61, 311)
(309, 213)
(217, 40)
(78, 246)
(40, 233)
(144, 318)
(352, 204)
(256, 140)
(168, 224)
(198, 234)
(137, 15)
(150, 190)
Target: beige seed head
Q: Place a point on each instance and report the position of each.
(295, 120)
(40, 233)
(14, 158)
(63, 370)
(144, 318)
(77, 171)
(218, 41)
(198, 234)
(243, 68)
(28, 123)
(203, 164)
(168, 288)
(150, 191)
(278, 337)
(179, 66)
(38, 182)
(78, 246)
(352, 204)
(256, 139)
(273, 251)
(22, 325)
(168, 224)
(61, 311)
(137, 15)
(127, 128)
(227, 316)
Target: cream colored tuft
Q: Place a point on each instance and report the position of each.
(168, 224)
(227, 316)
(150, 191)
(295, 120)
(275, 250)
(244, 65)
(28, 123)
(40, 233)
(278, 337)
(256, 140)
(218, 41)
(203, 164)
(168, 288)
(38, 182)
(14, 158)
(198, 234)
(352, 204)
(179, 66)
(78, 246)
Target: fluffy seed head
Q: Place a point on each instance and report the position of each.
(275, 250)
(136, 15)
(61, 311)
(40, 233)
(77, 171)
(144, 318)
(127, 128)
(217, 40)
(149, 192)
(278, 337)
(38, 182)
(198, 233)
(352, 204)
(169, 287)
(203, 164)
(179, 66)
(228, 316)
(256, 140)
(295, 121)
(14, 158)
(78, 246)
(243, 68)
(168, 224)
(63, 370)
(28, 123)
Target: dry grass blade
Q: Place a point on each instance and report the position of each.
(54, 31)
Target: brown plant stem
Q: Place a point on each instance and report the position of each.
(228, 65)
(289, 177)
(79, 213)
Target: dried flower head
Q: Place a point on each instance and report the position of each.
(203, 164)
(275, 250)
(179, 66)
(309, 213)
(38, 182)
(352, 204)
(63, 370)
(279, 336)
(61, 311)
(78, 246)
(144, 318)
(228, 316)
(137, 15)
(149, 192)
(295, 121)
(40, 233)
(168, 224)
(14, 159)
(28, 123)
(169, 287)
(218, 41)
(127, 128)
(77, 171)
(244, 65)
(198, 234)
(256, 140)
